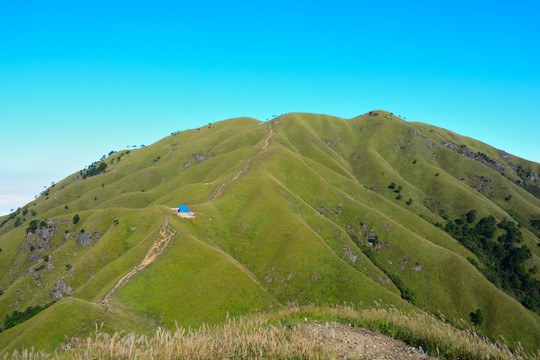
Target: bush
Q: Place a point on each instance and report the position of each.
(477, 318)
(76, 218)
(32, 226)
(94, 170)
(17, 317)
(471, 216)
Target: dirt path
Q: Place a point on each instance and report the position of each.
(272, 131)
(355, 343)
(166, 233)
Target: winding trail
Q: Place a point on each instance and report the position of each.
(272, 131)
(166, 234)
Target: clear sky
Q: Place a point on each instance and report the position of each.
(81, 78)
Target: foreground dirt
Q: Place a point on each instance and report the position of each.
(354, 343)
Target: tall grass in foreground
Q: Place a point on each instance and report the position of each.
(277, 335)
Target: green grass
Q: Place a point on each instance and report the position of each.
(289, 231)
(284, 334)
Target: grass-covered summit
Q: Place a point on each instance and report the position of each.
(302, 209)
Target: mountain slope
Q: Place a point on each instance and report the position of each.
(302, 209)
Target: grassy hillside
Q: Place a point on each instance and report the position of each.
(307, 332)
(304, 209)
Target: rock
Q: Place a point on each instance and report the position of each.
(447, 145)
(83, 238)
(60, 289)
(349, 253)
(200, 157)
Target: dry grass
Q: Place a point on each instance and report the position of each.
(276, 336)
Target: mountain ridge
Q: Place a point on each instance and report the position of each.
(310, 217)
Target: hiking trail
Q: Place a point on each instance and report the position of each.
(272, 131)
(356, 343)
(166, 234)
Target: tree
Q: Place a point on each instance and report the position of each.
(76, 218)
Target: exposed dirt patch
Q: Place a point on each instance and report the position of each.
(354, 343)
(190, 215)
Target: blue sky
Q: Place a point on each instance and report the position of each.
(78, 78)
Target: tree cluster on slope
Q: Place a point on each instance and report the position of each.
(503, 261)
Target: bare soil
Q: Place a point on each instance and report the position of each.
(354, 343)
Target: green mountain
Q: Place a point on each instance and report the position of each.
(302, 209)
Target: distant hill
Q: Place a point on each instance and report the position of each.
(302, 209)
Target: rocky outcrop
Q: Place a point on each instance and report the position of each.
(60, 289)
(83, 238)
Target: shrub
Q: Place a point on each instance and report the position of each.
(94, 170)
(76, 218)
(471, 216)
(32, 226)
(477, 318)
(17, 317)
(443, 214)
